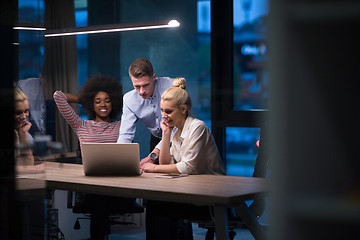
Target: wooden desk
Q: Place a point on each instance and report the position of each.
(218, 191)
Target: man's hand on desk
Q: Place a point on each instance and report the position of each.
(151, 158)
(148, 167)
(145, 160)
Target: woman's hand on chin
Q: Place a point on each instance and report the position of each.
(165, 127)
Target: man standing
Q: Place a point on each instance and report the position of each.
(143, 103)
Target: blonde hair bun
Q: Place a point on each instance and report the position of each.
(179, 82)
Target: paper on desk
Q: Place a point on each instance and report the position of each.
(172, 175)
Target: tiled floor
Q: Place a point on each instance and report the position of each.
(135, 233)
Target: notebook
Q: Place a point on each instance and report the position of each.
(111, 159)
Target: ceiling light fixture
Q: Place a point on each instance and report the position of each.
(30, 28)
(112, 28)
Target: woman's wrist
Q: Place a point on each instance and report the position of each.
(71, 98)
(23, 136)
(166, 134)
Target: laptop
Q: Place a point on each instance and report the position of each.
(111, 159)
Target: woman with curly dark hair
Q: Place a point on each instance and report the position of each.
(105, 84)
(101, 97)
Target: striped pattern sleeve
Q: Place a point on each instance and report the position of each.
(67, 111)
(99, 132)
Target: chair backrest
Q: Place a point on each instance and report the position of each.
(260, 170)
(262, 159)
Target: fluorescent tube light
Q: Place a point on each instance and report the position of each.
(112, 28)
(29, 28)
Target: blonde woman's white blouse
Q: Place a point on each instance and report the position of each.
(194, 151)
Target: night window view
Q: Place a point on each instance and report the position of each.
(264, 149)
(250, 77)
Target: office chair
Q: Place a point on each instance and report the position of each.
(258, 204)
(83, 206)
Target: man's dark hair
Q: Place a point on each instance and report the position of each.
(141, 67)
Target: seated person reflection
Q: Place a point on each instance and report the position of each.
(101, 97)
(34, 89)
(23, 153)
(190, 150)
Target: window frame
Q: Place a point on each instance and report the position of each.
(222, 78)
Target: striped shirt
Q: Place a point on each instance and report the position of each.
(87, 130)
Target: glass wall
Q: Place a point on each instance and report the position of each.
(241, 150)
(81, 20)
(180, 52)
(251, 82)
(30, 43)
(31, 210)
(183, 51)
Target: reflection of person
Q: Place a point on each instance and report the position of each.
(31, 209)
(143, 103)
(33, 88)
(192, 151)
(101, 97)
(22, 127)
(23, 154)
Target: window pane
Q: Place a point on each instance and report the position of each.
(179, 52)
(250, 55)
(31, 11)
(31, 43)
(81, 20)
(241, 150)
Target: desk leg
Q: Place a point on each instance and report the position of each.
(250, 220)
(221, 222)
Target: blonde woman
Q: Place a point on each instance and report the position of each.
(190, 150)
(193, 149)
